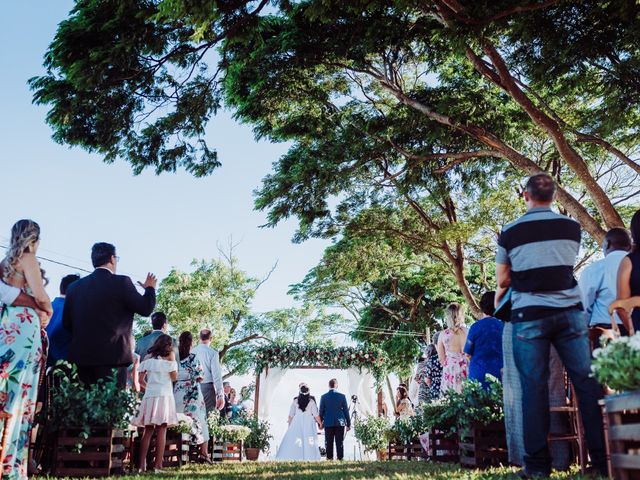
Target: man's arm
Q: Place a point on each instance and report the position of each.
(141, 304)
(588, 290)
(216, 373)
(503, 264)
(345, 409)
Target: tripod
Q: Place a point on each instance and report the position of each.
(353, 414)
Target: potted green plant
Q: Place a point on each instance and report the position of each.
(78, 412)
(617, 365)
(259, 440)
(372, 432)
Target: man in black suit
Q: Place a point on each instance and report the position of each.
(99, 311)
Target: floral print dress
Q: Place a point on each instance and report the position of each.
(21, 360)
(456, 366)
(189, 398)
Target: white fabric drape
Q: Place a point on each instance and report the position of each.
(269, 380)
(362, 384)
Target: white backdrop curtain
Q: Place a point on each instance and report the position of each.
(270, 378)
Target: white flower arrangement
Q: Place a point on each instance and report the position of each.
(617, 365)
(234, 433)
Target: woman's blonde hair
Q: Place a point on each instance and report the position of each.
(24, 234)
(454, 316)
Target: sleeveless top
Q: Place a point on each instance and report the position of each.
(634, 280)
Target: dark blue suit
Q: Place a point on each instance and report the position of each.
(334, 412)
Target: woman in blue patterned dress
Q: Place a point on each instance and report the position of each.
(189, 398)
(21, 355)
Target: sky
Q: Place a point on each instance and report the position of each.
(156, 222)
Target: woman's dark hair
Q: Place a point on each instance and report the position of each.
(184, 344)
(487, 303)
(634, 227)
(403, 393)
(430, 351)
(162, 347)
(304, 398)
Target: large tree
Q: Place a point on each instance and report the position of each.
(138, 79)
(218, 295)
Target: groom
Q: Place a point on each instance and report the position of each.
(334, 413)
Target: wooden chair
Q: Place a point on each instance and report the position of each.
(4, 418)
(575, 435)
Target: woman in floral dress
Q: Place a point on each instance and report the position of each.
(455, 363)
(21, 354)
(432, 378)
(189, 398)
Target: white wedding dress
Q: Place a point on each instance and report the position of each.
(300, 443)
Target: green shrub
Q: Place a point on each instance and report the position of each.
(371, 432)
(259, 437)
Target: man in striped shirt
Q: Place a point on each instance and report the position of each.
(536, 257)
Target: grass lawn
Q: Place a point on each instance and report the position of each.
(397, 470)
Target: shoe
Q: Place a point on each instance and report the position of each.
(205, 459)
(158, 470)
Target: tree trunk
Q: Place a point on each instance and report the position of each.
(553, 129)
(458, 270)
(518, 160)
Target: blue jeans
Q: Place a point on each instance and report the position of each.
(567, 332)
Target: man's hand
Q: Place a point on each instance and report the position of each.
(348, 428)
(151, 281)
(220, 403)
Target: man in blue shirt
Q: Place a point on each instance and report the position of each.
(59, 337)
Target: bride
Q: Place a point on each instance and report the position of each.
(301, 440)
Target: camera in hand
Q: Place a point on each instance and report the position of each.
(354, 398)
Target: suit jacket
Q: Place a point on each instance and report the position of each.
(334, 410)
(98, 312)
(145, 343)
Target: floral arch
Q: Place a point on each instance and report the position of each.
(365, 368)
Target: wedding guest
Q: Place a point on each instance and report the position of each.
(598, 281)
(158, 408)
(629, 276)
(246, 402)
(226, 409)
(404, 409)
(133, 382)
(59, 337)
(188, 395)
(212, 383)
(419, 384)
(233, 402)
(484, 343)
(21, 356)
(433, 370)
(99, 311)
(535, 257)
(455, 363)
(160, 326)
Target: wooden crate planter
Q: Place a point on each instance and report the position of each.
(102, 454)
(484, 446)
(232, 452)
(623, 418)
(443, 447)
(411, 451)
(176, 450)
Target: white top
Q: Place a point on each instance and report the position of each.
(8, 294)
(210, 361)
(598, 285)
(312, 409)
(158, 380)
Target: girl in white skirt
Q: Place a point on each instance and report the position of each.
(158, 409)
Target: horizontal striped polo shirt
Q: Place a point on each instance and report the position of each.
(541, 247)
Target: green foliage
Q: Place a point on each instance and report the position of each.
(183, 426)
(259, 437)
(294, 355)
(218, 295)
(371, 432)
(617, 365)
(75, 405)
